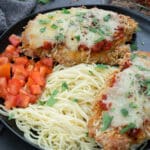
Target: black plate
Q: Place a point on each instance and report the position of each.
(141, 38)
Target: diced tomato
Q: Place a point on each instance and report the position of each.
(21, 78)
(35, 89)
(45, 71)
(4, 60)
(98, 46)
(23, 100)
(37, 66)
(102, 105)
(21, 60)
(14, 86)
(11, 52)
(108, 45)
(3, 86)
(10, 49)
(83, 47)
(5, 70)
(30, 82)
(33, 98)
(104, 97)
(10, 101)
(19, 70)
(14, 40)
(37, 78)
(47, 45)
(47, 62)
(127, 64)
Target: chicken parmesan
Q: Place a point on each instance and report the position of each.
(79, 35)
(121, 114)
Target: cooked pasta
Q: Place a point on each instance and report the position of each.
(59, 120)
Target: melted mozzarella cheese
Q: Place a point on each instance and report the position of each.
(127, 93)
(79, 26)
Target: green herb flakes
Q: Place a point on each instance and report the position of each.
(101, 66)
(54, 26)
(11, 116)
(133, 47)
(43, 22)
(99, 40)
(91, 73)
(133, 56)
(107, 17)
(106, 121)
(65, 11)
(124, 112)
(132, 105)
(60, 37)
(141, 68)
(52, 100)
(64, 86)
(75, 100)
(77, 37)
(127, 128)
(42, 30)
(41, 102)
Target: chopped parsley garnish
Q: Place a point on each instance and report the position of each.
(59, 21)
(99, 40)
(94, 30)
(124, 112)
(107, 17)
(52, 100)
(64, 86)
(101, 66)
(11, 116)
(80, 16)
(75, 100)
(133, 47)
(50, 16)
(60, 37)
(42, 30)
(106, 121)
(87, 134)
(77, 37)
(43, 21)
(146, 84)
(127, 128)
(132, 105)
(54, 26)
(65, 11)
(133, 56)
(91, 73)
(141, 68)
(41, 102)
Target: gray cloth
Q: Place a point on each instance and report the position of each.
(13, 10)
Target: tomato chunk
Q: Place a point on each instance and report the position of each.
(37, 78)
(11, 52)
(3, 86)
(5, 70)
(47, 45)
(4, 60)
(35, 89)
(47, 62)
(19, 70)
(45, 71)
(10, 101)
(21, 60)
(23, 100)
(14, 86)
(14, 40)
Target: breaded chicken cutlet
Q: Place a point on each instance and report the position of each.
(79, 35)
(121, 114)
